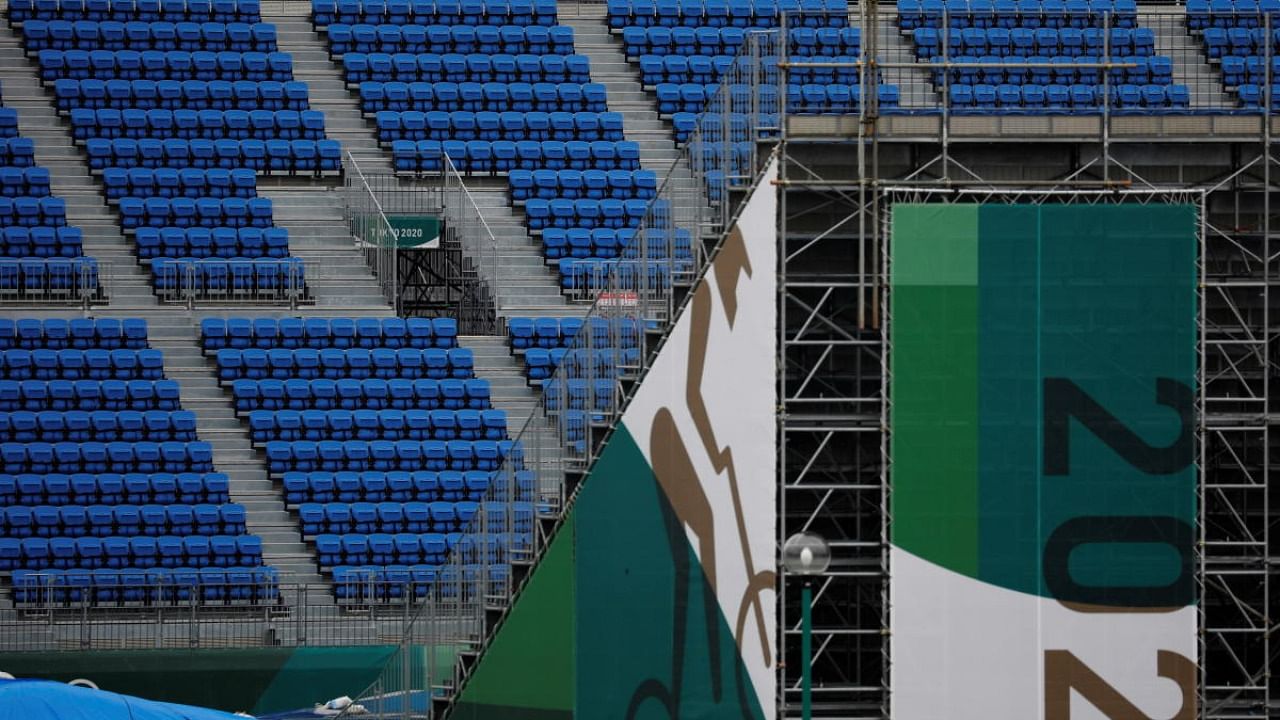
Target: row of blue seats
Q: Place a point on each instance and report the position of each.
(543, 332)
(573, 184)
(359, 455)
(808, 98)
(582, 402)
(113, 457)
(1070, 98)
(1251, 70)
(688, 41)
(151, 587)
(76, 364)
(112, 489)
(180, 95)
(476, 97)
(1222, 42)
(1017, 13)
(73, 521)
(354, 363)
(42, 242)
(459, 68)
(158, 65)
(504, 155)
(406, 519)
(82, 333)
(1059, 70)
(1229, 13)
(603, 365)
(584, 363)
(720, 13)
(318, 333)
(248, 278)
(1025, 42)
(47, 211)
(419, 486)
(334, 550)
(100, 425)
(195, 124)
(818, 98)
(541, 363)
(582, 242)
(268, 425)
(362, 585)
(511, 39)
(270, 156)
(24, 181)
(136, 212)
(595, 273)
(138, 552)
(368, 394)
(824, 42)
(118, 182)
(88, 395)
(466, 125)
(91, 35)
(585, 213)
(37, 277)
(1252, 97)
(655, 69)
(713, 124)
(219, 242)
(17, 152)
(431, 12)
(707, 70)
(144, 10)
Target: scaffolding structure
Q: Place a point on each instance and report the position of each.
(839, 178)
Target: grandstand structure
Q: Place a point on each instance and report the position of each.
(243, 405)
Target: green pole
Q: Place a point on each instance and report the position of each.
(806, 643)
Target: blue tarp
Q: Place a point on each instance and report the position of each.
(46, 700)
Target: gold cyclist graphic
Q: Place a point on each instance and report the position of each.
(691, 511)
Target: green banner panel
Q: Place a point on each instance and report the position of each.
(528, 670)
(1043, 368)
(415, 231)
(406, 231)
(652, 641)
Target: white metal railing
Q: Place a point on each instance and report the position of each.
(372, 232)
(466, 224)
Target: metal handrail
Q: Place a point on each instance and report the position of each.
(464, 214)
(382, 253)
(54, 617)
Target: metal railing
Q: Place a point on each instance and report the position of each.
(188, 281)
(373, 234)
(746, 109)
(371, 199)
(64, 281)
(466, 225)
(203, 615)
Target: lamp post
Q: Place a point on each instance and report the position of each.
(806, 554)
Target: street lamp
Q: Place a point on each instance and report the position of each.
(806, 554)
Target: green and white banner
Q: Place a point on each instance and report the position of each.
(657, 598)
(1043, 483)
(405, 231)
